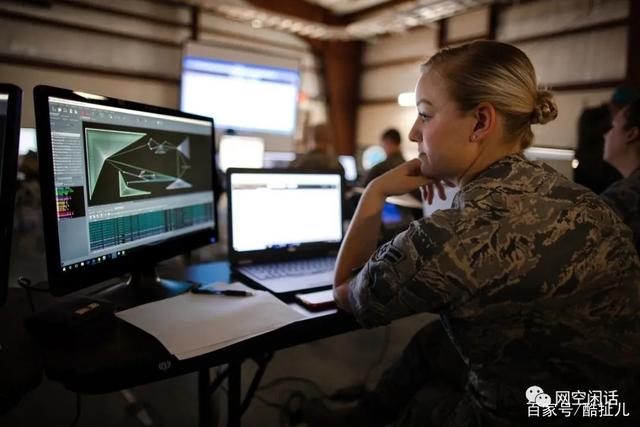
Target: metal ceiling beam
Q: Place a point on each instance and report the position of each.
(302, 10)
(356, 16)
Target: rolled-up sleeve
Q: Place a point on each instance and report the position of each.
(423, 269)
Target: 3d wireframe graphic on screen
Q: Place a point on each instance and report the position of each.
(141, 163)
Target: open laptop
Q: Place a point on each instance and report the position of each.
(285, 227)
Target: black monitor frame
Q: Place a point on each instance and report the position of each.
(8, 173)
(280, 254)
(140, 262)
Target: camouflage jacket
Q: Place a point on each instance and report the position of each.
(535, 278)
(624, 197)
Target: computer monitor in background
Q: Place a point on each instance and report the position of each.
(372, 155)
(253, 93)
(350, 169)
(10, 108)
(240, 152)
(278, 159)
(28, 141)
(124, 185)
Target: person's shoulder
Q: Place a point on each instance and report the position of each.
(615, 188)
(623, 195)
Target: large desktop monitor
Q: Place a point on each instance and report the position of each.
(10, 108)
(251, 93)
(124, 185)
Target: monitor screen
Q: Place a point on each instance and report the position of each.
(350, 169)
(28, 141)
(240, 152)
(10, 109)
(126, 179)
(372, 155)
(245, 97)
(282, 210)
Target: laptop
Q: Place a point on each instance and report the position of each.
(285, 227)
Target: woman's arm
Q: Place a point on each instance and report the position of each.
(359, 242)
(362, 235)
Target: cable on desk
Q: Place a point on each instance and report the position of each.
(74, 423)
(25, 283)
(262, 362)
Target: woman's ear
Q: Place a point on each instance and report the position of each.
(485, 117)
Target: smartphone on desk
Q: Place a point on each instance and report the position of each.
(316, 301)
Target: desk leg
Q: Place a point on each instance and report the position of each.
(235, 393)
(205, 409)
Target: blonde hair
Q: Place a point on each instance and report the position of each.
(498, 73)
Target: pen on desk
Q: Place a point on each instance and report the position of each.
(226, 292)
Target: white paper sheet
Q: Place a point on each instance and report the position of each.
(193, 324)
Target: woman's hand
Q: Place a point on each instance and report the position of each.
(400, 180)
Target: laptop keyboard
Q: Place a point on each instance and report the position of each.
(291, 268)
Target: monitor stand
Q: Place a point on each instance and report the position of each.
(143, 286)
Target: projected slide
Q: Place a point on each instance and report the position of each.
(129, 163)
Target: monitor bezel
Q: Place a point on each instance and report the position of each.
(63, 282)
(265, 255)
(8, 181)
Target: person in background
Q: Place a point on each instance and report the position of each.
(622, 151)
(592, 171)
(390, 142)
(320, 155)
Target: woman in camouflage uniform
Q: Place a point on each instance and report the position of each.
(536, 280)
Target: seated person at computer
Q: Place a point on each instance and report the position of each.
(622, 150)
(391, 143)
(536, 280)
(320, 155)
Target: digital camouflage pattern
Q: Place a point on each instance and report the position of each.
(536, 281)
(624, 197)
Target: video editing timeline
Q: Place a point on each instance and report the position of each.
(117, 231)
(126, 178)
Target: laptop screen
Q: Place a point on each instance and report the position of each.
(284, 210)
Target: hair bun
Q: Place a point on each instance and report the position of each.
(545, 109)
